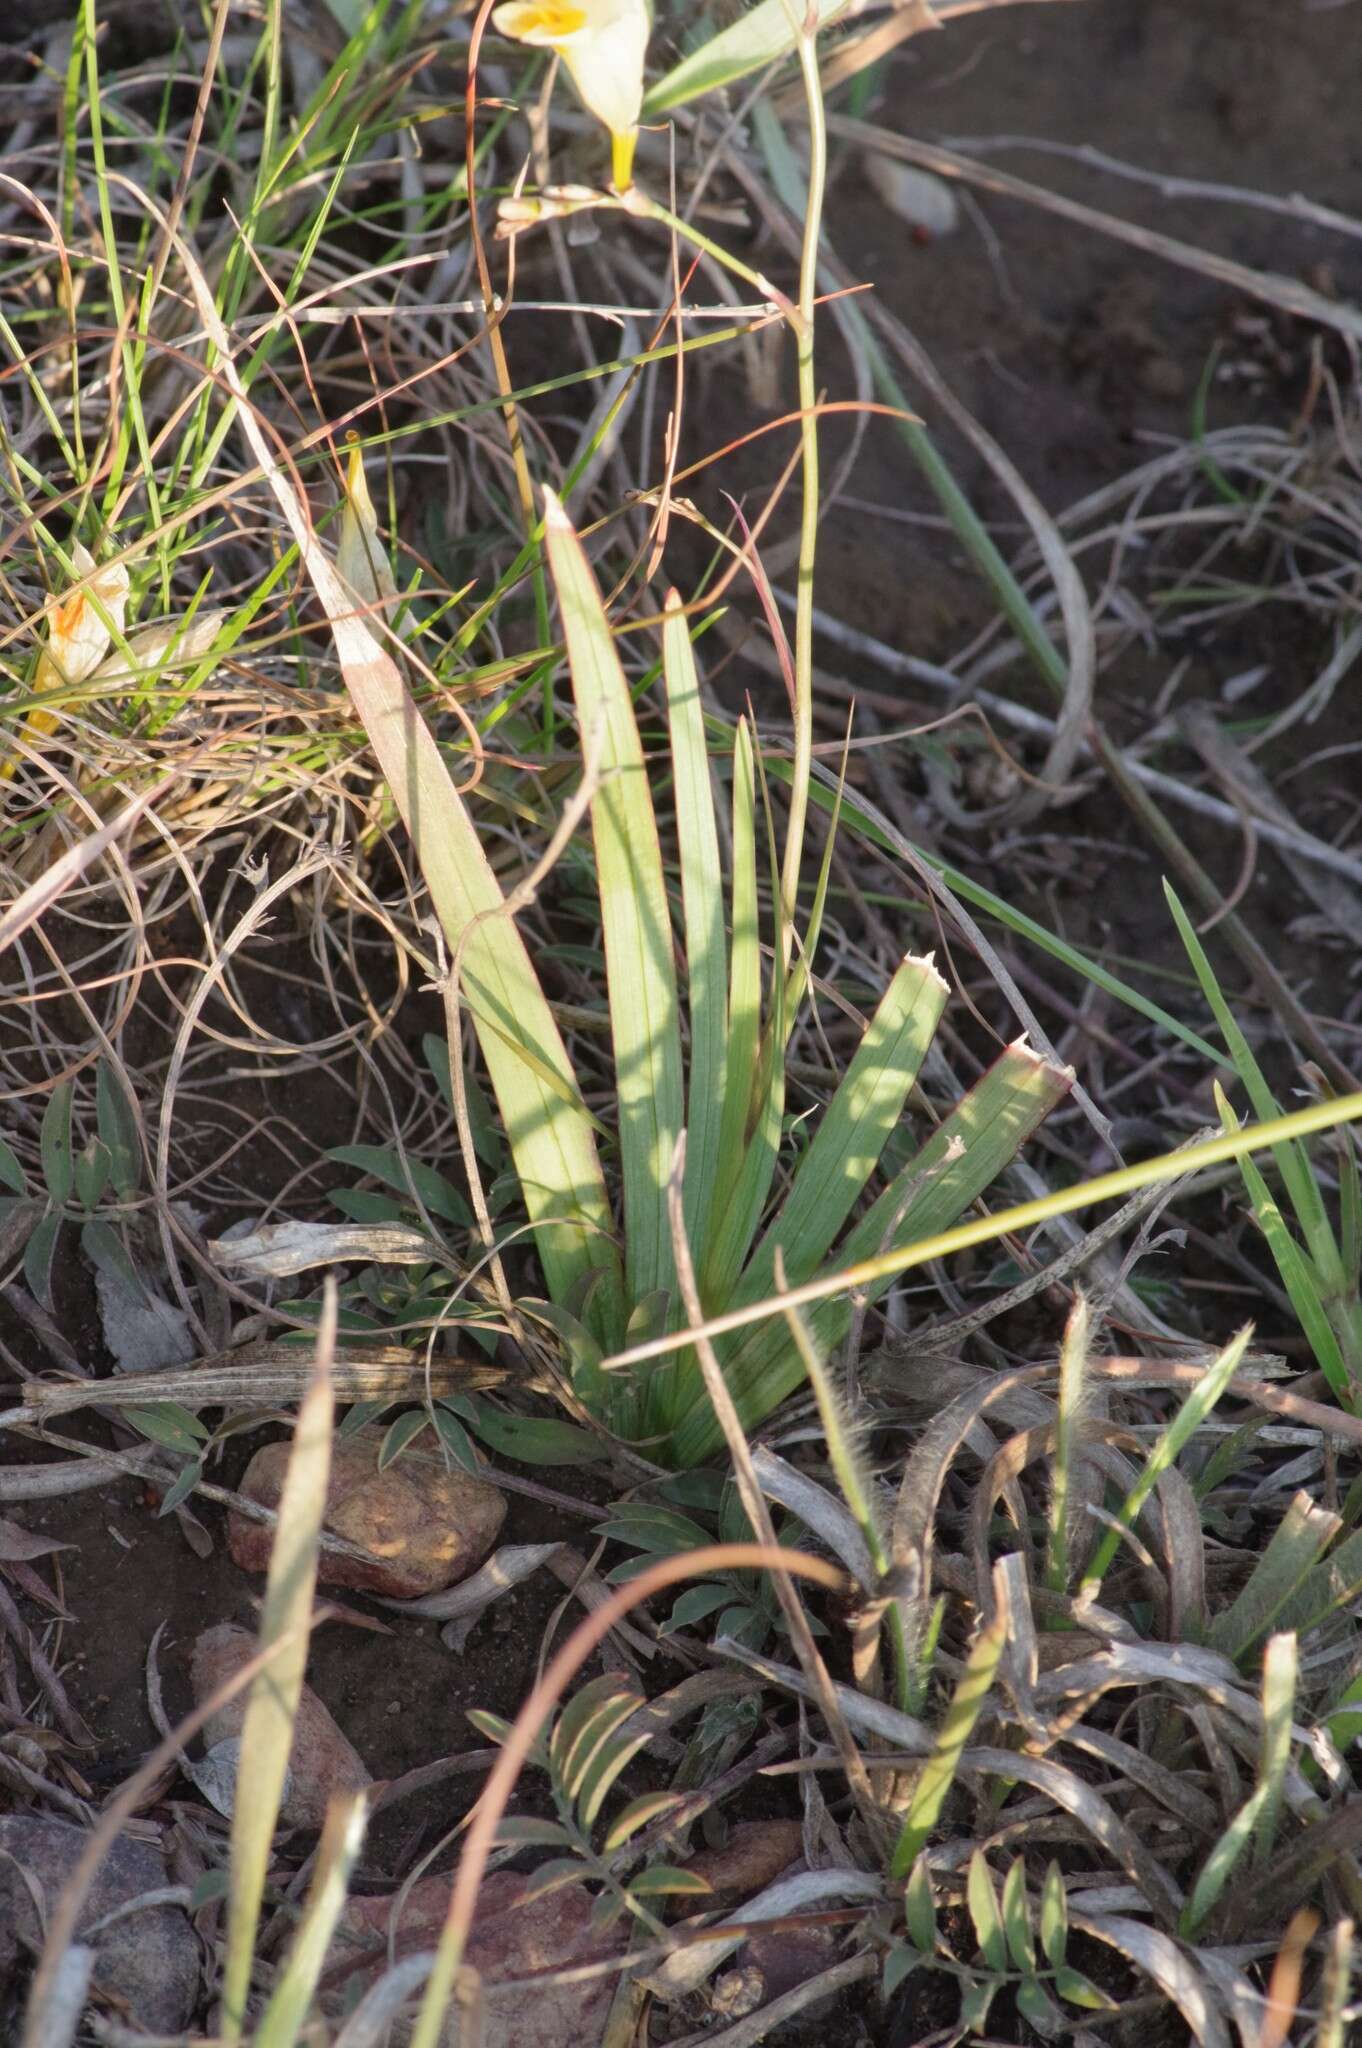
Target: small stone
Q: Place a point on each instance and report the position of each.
(423, 1525)
(755, 1854)
(507, 1940)
(148, 1963)
(323, 1764)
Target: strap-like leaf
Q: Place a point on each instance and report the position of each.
(635, 921)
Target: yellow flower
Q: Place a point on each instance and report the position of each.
(361, 556)
(77, 636)
(603, 43)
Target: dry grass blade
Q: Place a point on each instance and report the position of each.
(267, 1736)
(549, 1130)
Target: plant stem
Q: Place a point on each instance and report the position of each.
(808, 528)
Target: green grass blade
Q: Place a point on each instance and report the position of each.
(291, 2001)
(1293, 1162)
(1298, 1275)
(706, 944)
(938, 1773)
(738, 1216)
(267, 1733)
(1168, 1449)
(743, 1050)
(967, 1152)
(878, 832)
(1291, 1554)
(866, 1108)
(762, 35)
(635, 920)
(1256, 1820)
(1332, 1586)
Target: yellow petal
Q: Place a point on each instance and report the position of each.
(543, 23)
(360, 555)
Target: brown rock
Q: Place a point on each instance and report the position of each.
(753, 1856)
(422, 1525)
(507, 1941)
(778, 1961)
(148, 1962)
(322, 1765)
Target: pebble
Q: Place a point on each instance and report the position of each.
(147, 1964)
(423, 1525)
(323, 1764)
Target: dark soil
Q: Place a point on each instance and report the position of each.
(1071, 350)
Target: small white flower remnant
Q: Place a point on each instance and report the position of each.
(77, 637)
(603, 44)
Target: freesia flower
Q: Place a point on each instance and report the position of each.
(603, 44)
(78, 636)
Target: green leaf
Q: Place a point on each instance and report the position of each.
(696, 1604)
(365, 1205)
(536, 1439)
(1167, 1449)
(663, 1880)
(649, 1526)
(181, 1488)
(39, 1254)
(457, 1441)
(976, 1996)
(93, 1166)
(637, 1814)
(1054, 1917)
(635, 922)
(524, 1832)
(1038, 2009)
(938, 1773)
(919, 1907)
(116, 1122)
(1293, 1162)
(968, 1150)
(762, 35)
(983, 1911)
(868, 1104)
(58, 1166)
(703, 906)
(11, 1173)
(491, 1725)
(403, 1432)
(554, 1876)
(879, 833)
(1257, 1816)
(166, 1422)
(1079, 1990)
(403, 1175)
(899, 1965)
(1298, 1274)
(742, 1054)
(1292, 1552)
(1016, 1917)
(107, 1253)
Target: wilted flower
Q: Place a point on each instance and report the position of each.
(360, 554)
(78, 635)
(603, 43)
